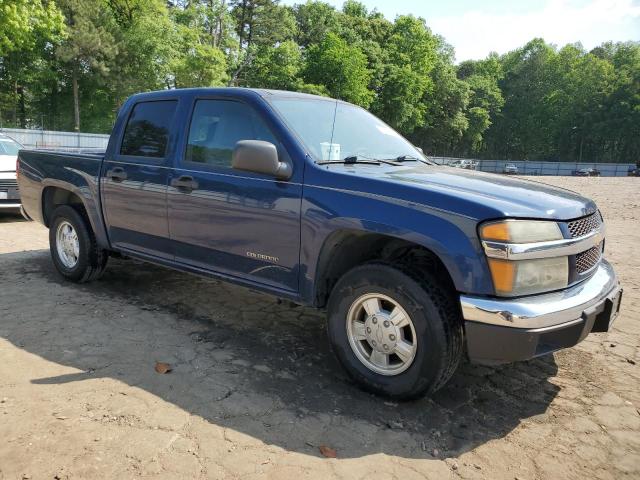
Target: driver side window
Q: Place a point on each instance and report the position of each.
(216, 127)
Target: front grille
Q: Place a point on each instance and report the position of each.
(584, 226)
(6, 184)
(588, 259)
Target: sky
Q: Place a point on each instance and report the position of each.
(477, 27)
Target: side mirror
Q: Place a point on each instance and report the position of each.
(259, 157)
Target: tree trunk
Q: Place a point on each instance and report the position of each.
(223, 9)
(15, 103)
(581, 142)
(76, 102)
(23, 111)
(243, 12)
(250, 25)
(212, 27)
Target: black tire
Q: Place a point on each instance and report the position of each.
(92, 260)
(435, 316)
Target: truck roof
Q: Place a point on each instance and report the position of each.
(240, 91)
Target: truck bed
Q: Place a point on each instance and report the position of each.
(78, 173)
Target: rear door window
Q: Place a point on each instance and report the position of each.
(147, 131)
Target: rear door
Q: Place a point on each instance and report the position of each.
(135, 179)
(236, 223)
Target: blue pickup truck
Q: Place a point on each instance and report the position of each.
(317, 201)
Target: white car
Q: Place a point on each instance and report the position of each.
(510, 169)
(464, 164)
(9, 196)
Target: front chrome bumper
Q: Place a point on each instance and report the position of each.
(504, 330)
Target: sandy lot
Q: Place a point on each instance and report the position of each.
(254, 390)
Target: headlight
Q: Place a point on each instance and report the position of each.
(521, 231)
(525, 277)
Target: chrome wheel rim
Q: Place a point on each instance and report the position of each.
(67, 244)
(381, 334)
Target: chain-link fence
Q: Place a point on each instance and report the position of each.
(67, 141)
(519, 167)
(90, 142)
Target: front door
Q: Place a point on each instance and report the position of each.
(238, 224)
(135, 179)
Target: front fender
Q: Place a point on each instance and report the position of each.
(451, 237)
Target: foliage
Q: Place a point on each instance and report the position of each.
(24, 22)
(277, 67)
(71, 63)
(341, 68)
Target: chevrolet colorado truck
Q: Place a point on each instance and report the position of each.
(318, 202)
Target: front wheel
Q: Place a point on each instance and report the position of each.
(74, 250)
(396, 333)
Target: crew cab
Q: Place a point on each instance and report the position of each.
(316, 201)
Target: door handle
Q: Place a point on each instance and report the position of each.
(185, 183)
(117, 174)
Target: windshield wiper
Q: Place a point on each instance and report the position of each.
(410, 158)
(353, 159)
(350, 160)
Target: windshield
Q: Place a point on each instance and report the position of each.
(333, 130)
(9, 147)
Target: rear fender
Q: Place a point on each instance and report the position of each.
(86, 189)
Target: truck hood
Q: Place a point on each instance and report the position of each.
(481, 194)
(8, 163)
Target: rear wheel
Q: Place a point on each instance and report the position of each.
(395, 333)
(74, 250)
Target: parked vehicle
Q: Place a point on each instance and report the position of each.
(9, 196)
(586, 172)
(464, 164)
(510, 169)
(417, 265)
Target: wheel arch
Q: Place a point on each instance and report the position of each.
(346, 249)
(61, 193)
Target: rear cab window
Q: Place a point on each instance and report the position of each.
(148, 128)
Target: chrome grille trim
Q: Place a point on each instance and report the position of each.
(588, 259)
(584, 226)
(8, 183)
(555, 248)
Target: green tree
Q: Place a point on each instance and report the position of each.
(523, 129)
(200, 66)
(195, 58)
(411, 53)
(314, 20)
(147, 41)
(485, 100)
(623, 104)
(262, 22)
(28, 31)
(445, 118)
(88, 47)
(276, 67)
(259, 23)
(341, 68)
(24, 22)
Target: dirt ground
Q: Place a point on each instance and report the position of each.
(254, 390)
